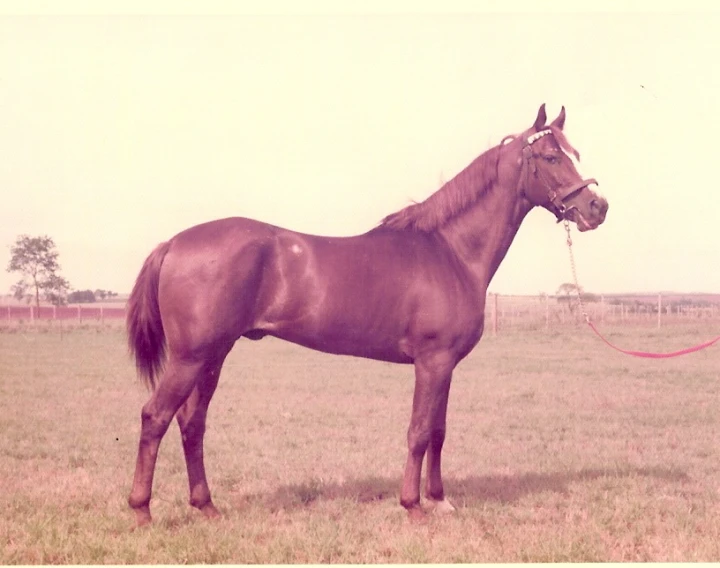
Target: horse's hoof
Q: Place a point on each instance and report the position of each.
(210, 511)
(142, 518)
(417, 514)
(443, 507)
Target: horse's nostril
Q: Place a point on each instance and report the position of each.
(599, 206)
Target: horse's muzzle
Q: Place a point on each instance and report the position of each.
(592, 218)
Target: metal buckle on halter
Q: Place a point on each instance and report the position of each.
(557, 198)
(558, 205)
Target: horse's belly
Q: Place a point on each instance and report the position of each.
(354, 344)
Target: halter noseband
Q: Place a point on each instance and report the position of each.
(556, 197)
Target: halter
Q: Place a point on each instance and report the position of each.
(556, 197)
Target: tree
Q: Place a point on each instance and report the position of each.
(104, 294)
(567, 289)
(565, 293)
(36, 259)
(81, 297)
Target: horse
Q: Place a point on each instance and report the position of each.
(411, 290)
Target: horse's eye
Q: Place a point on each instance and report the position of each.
(551, 159)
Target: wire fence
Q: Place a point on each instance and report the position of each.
(80, 312)
(502, 312)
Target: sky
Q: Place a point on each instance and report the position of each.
(118, 131)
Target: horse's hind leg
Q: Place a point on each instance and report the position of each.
(191, 418)
(174, 388)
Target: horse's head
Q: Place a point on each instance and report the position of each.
(548, 176)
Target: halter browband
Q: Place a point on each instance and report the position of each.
(558, 196)
(532, 138)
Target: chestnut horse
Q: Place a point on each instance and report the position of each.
(412, 290)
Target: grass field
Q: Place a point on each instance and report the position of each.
(558, 449)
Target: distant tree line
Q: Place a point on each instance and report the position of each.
(645, 306)
(88, 296)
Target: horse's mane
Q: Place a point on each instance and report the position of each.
(457, 195)
(451, 199)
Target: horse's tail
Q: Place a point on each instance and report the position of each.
(146, 336)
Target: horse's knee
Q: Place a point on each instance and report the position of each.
(153, 425)
(418, 441)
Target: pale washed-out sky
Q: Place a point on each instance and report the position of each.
(116, 132)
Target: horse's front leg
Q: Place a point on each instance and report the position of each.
(434, 490)
(433, 372)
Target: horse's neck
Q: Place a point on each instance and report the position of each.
(482, 235)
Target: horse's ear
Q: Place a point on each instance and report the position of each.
(560, 120)
(541, 118)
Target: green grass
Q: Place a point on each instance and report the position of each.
(558, 450)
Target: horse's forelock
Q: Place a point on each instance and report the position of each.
(563, 141)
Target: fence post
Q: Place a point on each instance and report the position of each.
(79, 316)
(102, 316)
(659, 308)
(547, 312)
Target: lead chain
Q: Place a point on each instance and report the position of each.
(583, 311)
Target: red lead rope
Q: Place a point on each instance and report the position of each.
(650, 355)
(645, 354)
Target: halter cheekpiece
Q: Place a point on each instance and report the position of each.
(556, 197)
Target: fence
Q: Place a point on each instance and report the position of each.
(548, 312)
(502, 312)
(47, 313)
